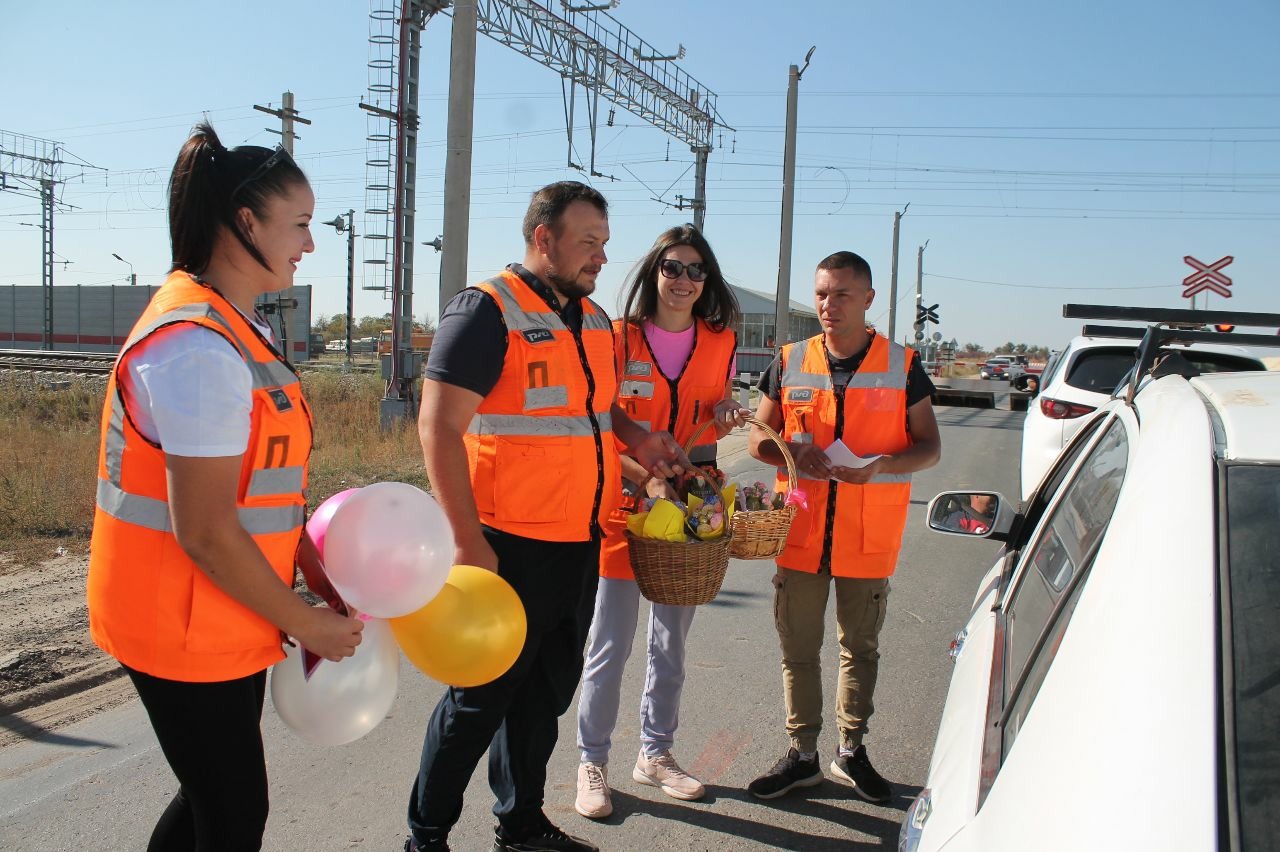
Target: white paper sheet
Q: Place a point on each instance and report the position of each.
(842, 456)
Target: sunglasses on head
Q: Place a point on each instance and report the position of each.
(272, 160)
(673, 269)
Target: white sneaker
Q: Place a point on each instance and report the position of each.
(663, 771)
(593, 800)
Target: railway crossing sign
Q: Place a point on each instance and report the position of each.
(929, 314)
(1206, 277)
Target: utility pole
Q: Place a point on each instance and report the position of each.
(893, 275)
(350, 227)
(457, 164)
(33, 168)
(287, 115)
(284, 300)
(781, 322)
(920, 292)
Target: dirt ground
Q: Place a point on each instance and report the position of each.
(51, 673)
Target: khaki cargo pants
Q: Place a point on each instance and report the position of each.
(799, 608)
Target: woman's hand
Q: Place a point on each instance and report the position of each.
(659, 488)
(328, 634)
(727, 414)
(475, 551)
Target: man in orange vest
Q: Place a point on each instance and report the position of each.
(852, 385)
(521, 437)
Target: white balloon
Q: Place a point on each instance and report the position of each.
(388, 549)
(342, 701)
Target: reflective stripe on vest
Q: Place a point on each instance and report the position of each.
(153, 514)
(517, 424)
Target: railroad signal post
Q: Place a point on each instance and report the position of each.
(1207, 276)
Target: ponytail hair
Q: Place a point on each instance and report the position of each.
(211, 183)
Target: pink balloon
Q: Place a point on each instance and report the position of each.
(318, 523)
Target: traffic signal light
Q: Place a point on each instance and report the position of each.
(1224, 327)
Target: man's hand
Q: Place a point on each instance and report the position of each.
(811, 461)
(658, 453)
(858, 475)
(475, 551)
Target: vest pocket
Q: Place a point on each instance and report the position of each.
(883, 520)
(220, 624)
(531, 480)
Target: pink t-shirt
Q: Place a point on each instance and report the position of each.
(672, 348)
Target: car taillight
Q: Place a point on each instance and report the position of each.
(1056, 409)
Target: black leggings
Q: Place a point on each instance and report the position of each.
(210, 734)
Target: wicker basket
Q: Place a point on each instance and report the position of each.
(681, 573)
(762, 533)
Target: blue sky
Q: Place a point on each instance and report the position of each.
(1049, 152)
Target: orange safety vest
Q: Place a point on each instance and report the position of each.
(150, 605)
(656, 402)
(872, 419)
(541, 450)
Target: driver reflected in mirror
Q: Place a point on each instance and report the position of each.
(971, 513)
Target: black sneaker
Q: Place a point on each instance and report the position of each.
(858, 771)
(434, 845)
(788, 773)
(548, 838)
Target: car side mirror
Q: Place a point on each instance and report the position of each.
(1027, 383)
(977, 514)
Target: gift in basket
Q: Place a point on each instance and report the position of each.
(680, 551)
(759, 531)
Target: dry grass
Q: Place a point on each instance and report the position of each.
(49, 446)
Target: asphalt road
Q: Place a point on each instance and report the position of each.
(101, 783)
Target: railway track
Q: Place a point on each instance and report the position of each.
(43, 361)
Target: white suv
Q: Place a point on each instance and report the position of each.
(1081, 377)
(1116, 685)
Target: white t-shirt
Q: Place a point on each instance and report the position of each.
(189, 390)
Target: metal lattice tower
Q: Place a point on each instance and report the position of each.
(33, 167)
(380, 147)
(590, 48)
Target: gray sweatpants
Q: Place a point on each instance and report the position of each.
(608, 647)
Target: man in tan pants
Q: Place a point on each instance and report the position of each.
(848, 384)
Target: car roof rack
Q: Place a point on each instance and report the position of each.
(1171, 325)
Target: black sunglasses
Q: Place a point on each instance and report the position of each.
(673, 268)
(272, 160)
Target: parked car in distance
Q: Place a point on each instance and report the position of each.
(1081, 377)
(1116, 683)
(995, 368)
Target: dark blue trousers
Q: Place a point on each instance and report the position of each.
(514, 717)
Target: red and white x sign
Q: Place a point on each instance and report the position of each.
(1206, 277)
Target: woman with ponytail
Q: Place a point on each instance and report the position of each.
(200, 505)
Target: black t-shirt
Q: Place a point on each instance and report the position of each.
(470, 343)
(919, 385)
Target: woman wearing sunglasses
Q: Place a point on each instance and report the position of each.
(676, 350)
(202, 465)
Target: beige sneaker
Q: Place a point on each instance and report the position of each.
(663, 771)
(593, 800)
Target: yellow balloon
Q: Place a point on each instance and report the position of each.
(468, 634)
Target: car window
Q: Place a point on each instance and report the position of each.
(1253, 593)
(1100, 369)
(1041, 604)
(1051, 368)
(1220, 362)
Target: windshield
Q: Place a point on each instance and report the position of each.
(1253, 579)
